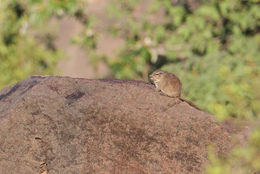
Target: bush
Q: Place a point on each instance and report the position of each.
(25, 49)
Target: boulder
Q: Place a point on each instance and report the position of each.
(51, 124)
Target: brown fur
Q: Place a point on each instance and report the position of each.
(169, 84)
(166, 82)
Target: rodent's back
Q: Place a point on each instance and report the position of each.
(170, 85)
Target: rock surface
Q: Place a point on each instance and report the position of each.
(66, 125)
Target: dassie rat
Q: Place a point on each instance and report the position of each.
(166, 82)
(169, 84)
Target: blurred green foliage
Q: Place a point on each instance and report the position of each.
(24, 50)
(242, 160)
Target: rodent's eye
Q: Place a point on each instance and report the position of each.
(157, 73)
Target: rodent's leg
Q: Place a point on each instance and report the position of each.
(162, 93)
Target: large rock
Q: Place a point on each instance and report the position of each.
(65, 125)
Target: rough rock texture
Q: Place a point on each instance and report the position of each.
(65, 125)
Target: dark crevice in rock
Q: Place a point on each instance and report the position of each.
(12, 90)
(32, 84)
(75, 96)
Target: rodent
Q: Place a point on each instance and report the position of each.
(169, 84)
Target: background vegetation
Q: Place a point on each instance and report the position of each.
(26, 46)
(213, 46)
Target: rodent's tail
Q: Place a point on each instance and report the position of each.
(190, 103)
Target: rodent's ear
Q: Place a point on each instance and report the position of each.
(157, 72)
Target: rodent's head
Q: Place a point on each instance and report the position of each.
(156, 75)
